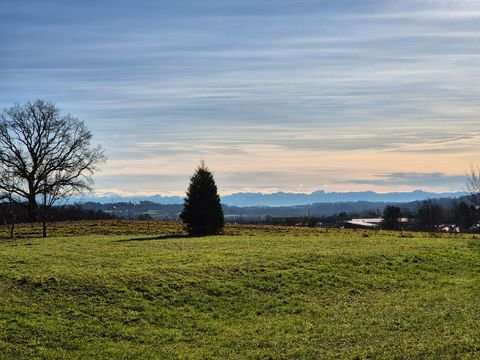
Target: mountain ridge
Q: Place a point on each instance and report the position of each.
(245, 199)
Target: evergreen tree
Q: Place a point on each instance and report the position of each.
(390, 217)
(202, 212)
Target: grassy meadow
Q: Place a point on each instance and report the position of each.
(129, 290)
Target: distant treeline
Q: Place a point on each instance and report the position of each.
(132, 210)
(17, 213)
(422, 215)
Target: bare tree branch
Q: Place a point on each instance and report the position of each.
(473, 184)
(45, 155)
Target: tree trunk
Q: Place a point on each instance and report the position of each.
(12, 216)
(44, 215)
(32, 210)
(44, 228)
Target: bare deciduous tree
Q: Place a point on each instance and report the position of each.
(473, 185)
(45, 156)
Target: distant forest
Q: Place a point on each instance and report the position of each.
(421, 215)
(18, 213)
(154, 210)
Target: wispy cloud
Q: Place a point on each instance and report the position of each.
(280, 91)
(414, 179)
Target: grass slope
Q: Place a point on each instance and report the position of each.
(266, 293)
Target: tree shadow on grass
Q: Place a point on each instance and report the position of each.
(159, 237)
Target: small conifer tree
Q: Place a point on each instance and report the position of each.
(202, 211)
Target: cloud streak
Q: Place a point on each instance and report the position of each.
(290, 88)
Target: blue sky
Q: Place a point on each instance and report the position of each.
(273, 95)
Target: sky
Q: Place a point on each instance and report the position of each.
(273, 95)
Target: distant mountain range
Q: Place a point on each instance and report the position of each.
(245, 199)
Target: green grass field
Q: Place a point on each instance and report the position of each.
(256, 293)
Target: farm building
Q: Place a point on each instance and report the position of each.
(369, 223)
